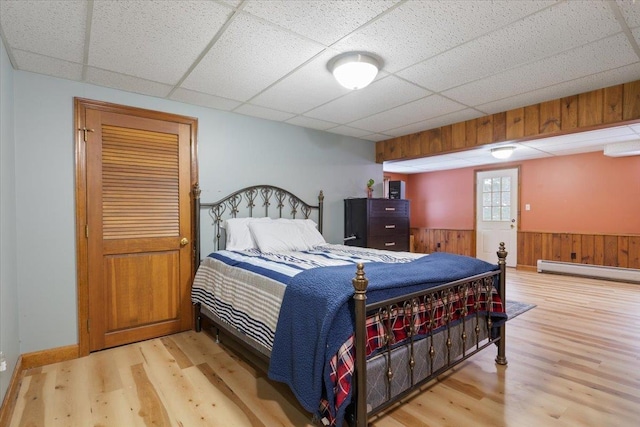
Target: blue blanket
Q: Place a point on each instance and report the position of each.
(316, 316)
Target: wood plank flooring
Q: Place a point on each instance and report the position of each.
(574, 360)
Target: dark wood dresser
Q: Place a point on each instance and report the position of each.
(377, 223)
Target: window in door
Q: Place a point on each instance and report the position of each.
(496, 199)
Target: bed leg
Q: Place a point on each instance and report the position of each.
(197, 318)
(217, 335)
(501, 358)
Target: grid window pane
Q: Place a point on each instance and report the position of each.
(486, 213)
(506, 183)
(496, 199)
(495, 214)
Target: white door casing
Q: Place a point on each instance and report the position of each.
(497, 214)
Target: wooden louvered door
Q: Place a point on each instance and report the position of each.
(139, 228)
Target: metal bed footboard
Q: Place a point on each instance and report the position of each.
(360, 412)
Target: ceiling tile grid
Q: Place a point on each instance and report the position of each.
(323, 21)
(550, 31)
(381, 95)
(444, 61)
(120, 81)
(47, 28)
(55, 67)
(412, 112)
(248, 57)
(153, 40)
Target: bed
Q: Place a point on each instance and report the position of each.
(351, 330)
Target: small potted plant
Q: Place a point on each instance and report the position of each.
(370, 188)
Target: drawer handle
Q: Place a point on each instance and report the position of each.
(390, 244)
(389, 209)
(390, 226)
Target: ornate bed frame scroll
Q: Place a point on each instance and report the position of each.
(231, 205)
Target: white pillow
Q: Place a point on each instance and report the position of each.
(239, 236)
(278, 236)
(308, 229)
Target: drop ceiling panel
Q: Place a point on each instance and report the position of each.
(376, 137)
(312, 79)
(629, 9)
(41, 64)
(128, 83)
(54, 29)
(323, 21)
(416, 111)
(458, 116)
(585, 84)
(596, 57)
(348, 131)
(416, 31)
(199, 98)
(554, 30)
(243, 62)
(153, 40)
(308, 122)
(381, 95)
(263, 113)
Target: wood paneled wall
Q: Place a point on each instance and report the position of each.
(460, 242)
(595, 249)
(610, 106)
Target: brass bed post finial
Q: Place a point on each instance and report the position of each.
(360, 283)
(501, 358)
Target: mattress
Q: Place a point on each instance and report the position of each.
(245, 288)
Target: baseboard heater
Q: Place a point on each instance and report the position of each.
(587, 270)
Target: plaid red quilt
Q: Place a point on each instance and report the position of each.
(394, 327)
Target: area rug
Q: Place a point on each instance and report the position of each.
(516, 308)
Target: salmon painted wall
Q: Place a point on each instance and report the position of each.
(583, 193)
(586, 193)
(442, 199)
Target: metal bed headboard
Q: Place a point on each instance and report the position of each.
(284, 203)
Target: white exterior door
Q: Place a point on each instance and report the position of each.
(497, 214)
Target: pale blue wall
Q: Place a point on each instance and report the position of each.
(234, 151)
(9, 337)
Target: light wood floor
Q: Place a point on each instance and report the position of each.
(574, 360)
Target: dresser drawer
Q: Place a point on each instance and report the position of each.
(391, 243)
(389, 207)
(389, 226)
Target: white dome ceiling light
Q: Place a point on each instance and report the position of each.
(354, 70)
(502, 152)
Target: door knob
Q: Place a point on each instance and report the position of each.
(184, 241)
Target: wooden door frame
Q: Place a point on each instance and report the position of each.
(489, 168)
(80, 107)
